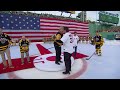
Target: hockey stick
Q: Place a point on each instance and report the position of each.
(90, 56)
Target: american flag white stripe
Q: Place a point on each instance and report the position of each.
(58, 25)
(61, 22)
(57, 28)
(35, 31)
(31, 34)
(21, 31)
(41, 34)
(47, 34)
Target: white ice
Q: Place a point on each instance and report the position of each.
(99, 67)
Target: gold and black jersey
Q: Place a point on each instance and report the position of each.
(24, 45)
(98, 39)
(4, 41)
(57, 38)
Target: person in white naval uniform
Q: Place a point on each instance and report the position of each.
(76, 40)
(67, 42)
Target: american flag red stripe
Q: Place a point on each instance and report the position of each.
(49, 27)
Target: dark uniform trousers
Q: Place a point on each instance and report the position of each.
(75, 51)
(67, 60)
(58, 53)
(98, 49)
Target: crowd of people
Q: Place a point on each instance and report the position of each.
(112, 29)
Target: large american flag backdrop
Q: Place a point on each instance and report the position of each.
(36, 28)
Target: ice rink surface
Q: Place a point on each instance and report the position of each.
(98, 67)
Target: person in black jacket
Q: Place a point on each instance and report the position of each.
(57, 38)
(68, 42)
(5, 41)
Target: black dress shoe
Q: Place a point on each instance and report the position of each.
(57, 63)
(66, 72)
(61, 61)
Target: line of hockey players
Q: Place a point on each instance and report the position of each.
(5, 43)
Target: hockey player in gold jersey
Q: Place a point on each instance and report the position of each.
(56, 39)
(24, 48)
(4, 48)
(98, 41)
